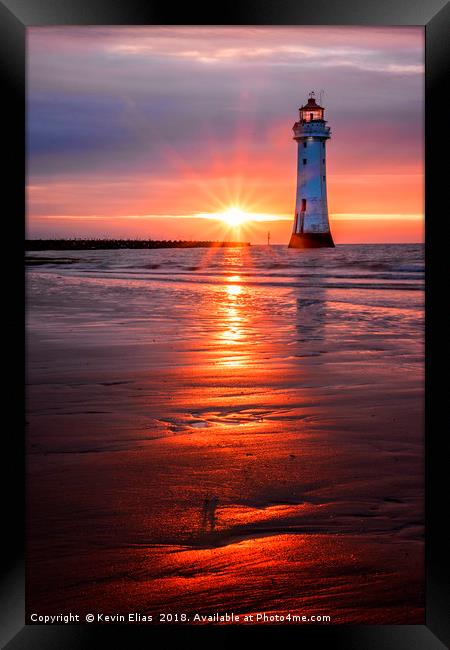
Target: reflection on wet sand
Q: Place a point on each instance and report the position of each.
(209, 513)
(267, 460)
(232, 311)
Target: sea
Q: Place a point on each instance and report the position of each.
(227, 429)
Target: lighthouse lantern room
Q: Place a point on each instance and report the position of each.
(311, 225)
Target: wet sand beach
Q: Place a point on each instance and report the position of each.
(229, 430)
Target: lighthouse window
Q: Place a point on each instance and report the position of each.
(323, 177)
(304, 161)
(304, 144)
(323, 160)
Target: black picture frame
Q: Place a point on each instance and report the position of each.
(434, 15)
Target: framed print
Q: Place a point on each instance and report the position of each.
(234, 338)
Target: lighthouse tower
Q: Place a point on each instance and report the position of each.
(311, 225)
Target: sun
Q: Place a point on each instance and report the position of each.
(234, 217)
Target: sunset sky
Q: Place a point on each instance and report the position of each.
(159, 131)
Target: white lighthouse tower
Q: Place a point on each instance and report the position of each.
(311, 225)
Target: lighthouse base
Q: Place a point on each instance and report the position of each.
(311, 240)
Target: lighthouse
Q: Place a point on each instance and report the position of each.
(311, 226)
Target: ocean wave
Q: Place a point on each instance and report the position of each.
(346, 267)
(308, 281)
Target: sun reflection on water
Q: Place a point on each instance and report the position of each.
(232, 311)
(233, 290)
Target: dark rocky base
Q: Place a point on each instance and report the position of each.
(311, 240)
